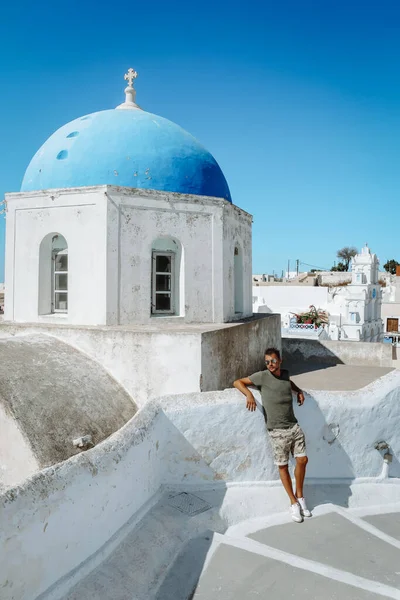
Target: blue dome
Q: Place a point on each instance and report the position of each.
(130, 148)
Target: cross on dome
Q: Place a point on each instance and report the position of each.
(130, 76)
(130, 92)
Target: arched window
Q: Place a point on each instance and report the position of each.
(167, 277)
(53, 274)
(238, 279)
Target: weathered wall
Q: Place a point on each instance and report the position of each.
(17, 461)
(234, 352)
(331, 352)
(54, 394)
(341, 429)
(146, 363)
(64, 514)
(110, 233)
(151, 362)
(237, 234)
(333, 278)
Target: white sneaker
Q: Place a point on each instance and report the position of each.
(296, 514)
(303, 507)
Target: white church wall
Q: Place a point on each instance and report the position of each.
(146, 221)
(17, 460)
(237, 260)
(111, 233)
(56, 520)
(81, 219)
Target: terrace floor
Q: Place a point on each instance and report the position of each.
(317, 376)
(243, 545)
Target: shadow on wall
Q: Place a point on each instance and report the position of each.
(234, 442)
(330, 352)
(327, 458)
(302, 356)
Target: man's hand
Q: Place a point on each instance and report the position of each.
(300, 398)
(251, 403)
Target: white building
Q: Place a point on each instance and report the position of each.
(360, 302)
(124, 218)
(124, 243)
(354, 309)
(391, 307)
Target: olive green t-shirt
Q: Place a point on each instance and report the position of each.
(277, 399)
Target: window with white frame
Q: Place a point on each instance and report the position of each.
(163, 283)
(60, 277)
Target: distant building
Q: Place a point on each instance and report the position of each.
(353, 302)
(391, 307)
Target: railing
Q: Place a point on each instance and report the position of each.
(308, 329)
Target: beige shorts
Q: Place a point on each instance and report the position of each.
(287, 441)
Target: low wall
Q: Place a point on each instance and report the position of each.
(332, 278)
(333, 353)
(160, 360)
(341, 429)
(61, 516)
(230, 353)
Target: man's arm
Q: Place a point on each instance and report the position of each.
(298, 391)
(242, 386)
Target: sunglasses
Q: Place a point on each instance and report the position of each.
(273, 361)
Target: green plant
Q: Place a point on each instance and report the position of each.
(390, 266)
(313, 316)
(346, 254)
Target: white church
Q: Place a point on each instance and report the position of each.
(125, 218)
(123, 244)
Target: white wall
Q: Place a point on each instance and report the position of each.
(334, 277)
(17, 460)
(236, 233)
(205, 228)
(63, 515)
(150, 362)
(110, 233)
(285, 298)
(81, 218)
(233, 440)
(390, 310)
(145, 363)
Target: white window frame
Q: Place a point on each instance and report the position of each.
(154, 290)
(54, 278)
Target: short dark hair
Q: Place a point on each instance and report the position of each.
(273, 351)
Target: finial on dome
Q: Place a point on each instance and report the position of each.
(130, 92)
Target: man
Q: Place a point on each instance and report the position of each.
(283, 429)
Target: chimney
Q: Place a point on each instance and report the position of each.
(398, 271)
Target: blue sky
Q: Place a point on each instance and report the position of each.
(298, 101)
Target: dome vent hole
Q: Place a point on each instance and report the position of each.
(73, 134)
(62, 155)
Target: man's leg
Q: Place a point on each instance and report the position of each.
(287, 482)
(299, 474)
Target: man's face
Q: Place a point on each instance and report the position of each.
(272, 362)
